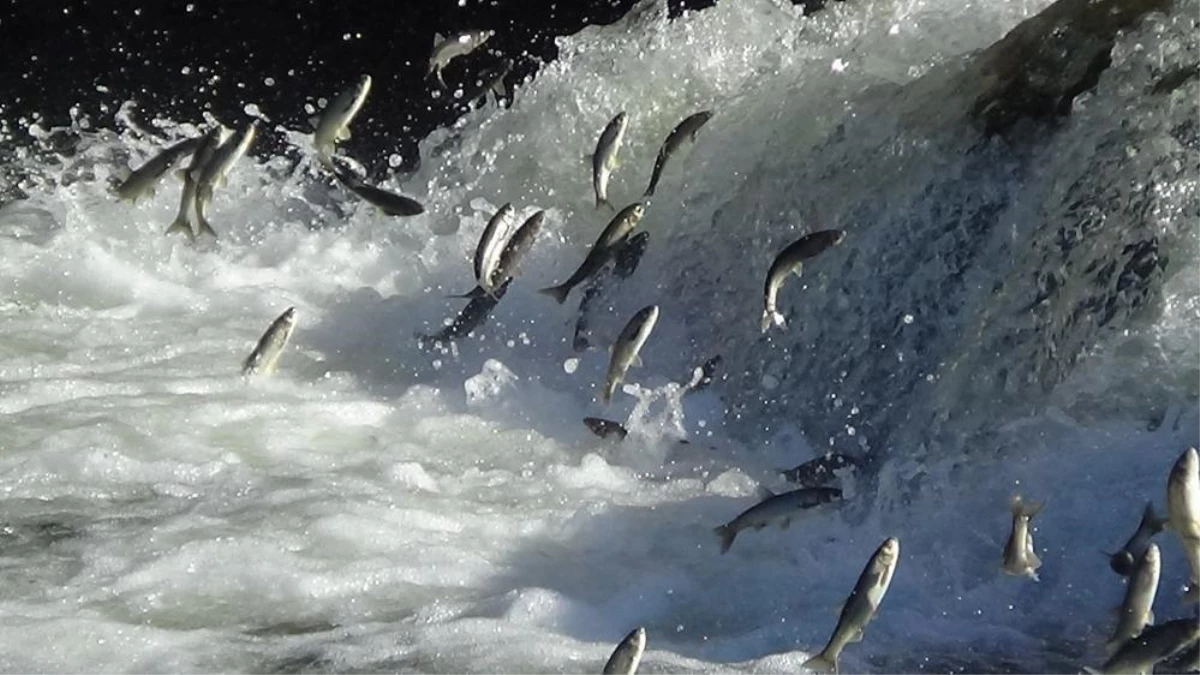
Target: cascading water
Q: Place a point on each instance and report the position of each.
(1012, 310)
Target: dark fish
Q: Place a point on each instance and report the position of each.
(773, 508)
(702, 376)
(390, 203)
(819, 471)
(626, 256)
(683, 132)
(605, 428)
(1122, 562)
(471, 317)
(616, 231)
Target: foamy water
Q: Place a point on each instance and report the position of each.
(376, 506)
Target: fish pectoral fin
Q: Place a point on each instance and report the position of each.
(798, 270)
(637, 361)
(857, 636)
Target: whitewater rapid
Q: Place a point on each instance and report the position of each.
(379, 506)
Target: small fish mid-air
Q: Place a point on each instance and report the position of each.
(142, 180)
(1135, 612)
(605, 428)
(1156, 643)
(265, 357)
(334, 124)
(860, 607)
(391, 203)
(601, 252)
(1019, 557)
(791, 261)
(628, 654)
(775, 508)
(1183, 513)
(626, 255)
(625, 350)
(604, 160)
(446, 49)
(214, 173)
(1124, 560)
(216, 137)
(685, 131)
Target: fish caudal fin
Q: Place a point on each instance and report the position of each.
(559, 293)
(727, 535)
(821, 664)
(769, 317)
(181, 225)
(1024, 509)
(205, 228)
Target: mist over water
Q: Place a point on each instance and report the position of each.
(1014, 313)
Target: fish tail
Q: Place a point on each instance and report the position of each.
(181, 225)
(1025, 509)
(205, 228)
(772, 317)
(727, 535)
(821, 663)
(1151, 519)
(559, 293)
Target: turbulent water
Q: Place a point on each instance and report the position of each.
(1015, 313)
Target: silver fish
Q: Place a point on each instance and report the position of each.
(143, 179)
(601, 252)
(1183, 513)
(860, 607)
(1019, 557)
(604, 160)
(446, 49)
(1135, 613)
(214, 172)
(493, 82)
(791, 261)
(1124, 560)
(628, 655)
(625, 350)
(605, 428)
(508, 264)
(265, 356)
(214, 139)
(1155, 644)
(774, 508)
(390, 203)
(335, 120)
(685, 131)
(491, 243)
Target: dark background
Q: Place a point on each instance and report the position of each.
(176, 58)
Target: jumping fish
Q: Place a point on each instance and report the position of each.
(628, 655)
(773, 508)
(446, 49)
(791, 261)
(334, 124)
(625, 258)
(1183, 513)
(604, 160)
(1019, 557)
(819, 471)
(601, 252)
(390, 203)
(214, 139)
(628, 344)
(860, 607)
(214, 173)
(143, 179)
(605, 428)
(1135, 613)
(1156, 643)
(265, 356)
(685, 131)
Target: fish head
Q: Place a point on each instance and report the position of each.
(837, 238)
(889, 550)
(289, 315)
(636, 211)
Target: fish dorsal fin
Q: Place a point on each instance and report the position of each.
(764, 492)
(438, 39)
